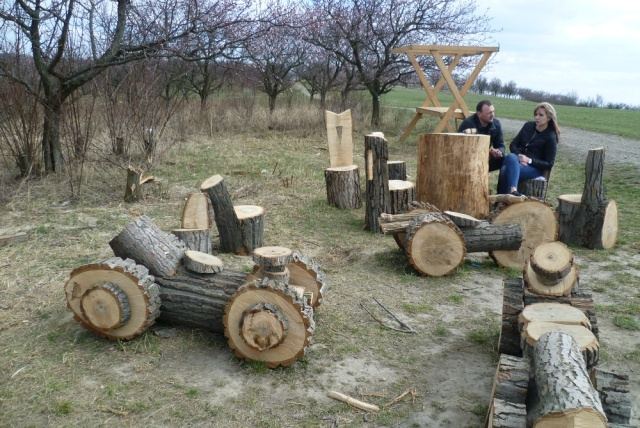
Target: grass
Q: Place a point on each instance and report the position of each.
(55, 373)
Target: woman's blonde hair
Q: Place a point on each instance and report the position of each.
(551, 114)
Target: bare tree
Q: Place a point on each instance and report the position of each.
(495, 86)
(70, 42)
(364, 32)
(481, 85)
(510, 89)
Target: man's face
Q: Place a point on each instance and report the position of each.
(486, 114)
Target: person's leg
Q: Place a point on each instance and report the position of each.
(509, 172)
(495, 164)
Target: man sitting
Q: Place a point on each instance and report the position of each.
(484, 122)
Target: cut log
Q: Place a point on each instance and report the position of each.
(591, 221)
(615, 395)
(241, 228)
(267, 321)
(198, 262)
(116, 299)
(550, 270)
(149, 246)
(561, 394)
(376, 155)
(435, 246)
(555, 313)
(195, 239)
(397, 170)
(196, 213)
(303, 272)
(512, 305)
(453, 173)
(534, 188)
(507, 405)
(462, 220)
(401, 194)
(539, 225)
(585, 339)
(198, 300)
(343, 186)
(506, 199)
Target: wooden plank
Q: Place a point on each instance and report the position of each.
(445, 50)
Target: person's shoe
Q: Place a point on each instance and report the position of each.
(518, 194)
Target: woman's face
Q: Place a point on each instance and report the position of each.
(541, 118)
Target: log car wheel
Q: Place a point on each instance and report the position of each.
(116, 299)
(269, 322)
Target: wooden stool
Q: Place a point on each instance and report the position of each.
(241, 228)
(536, 187)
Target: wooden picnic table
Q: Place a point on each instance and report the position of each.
(431, 106)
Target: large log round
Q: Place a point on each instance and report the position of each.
(453, 173)
(116, 299)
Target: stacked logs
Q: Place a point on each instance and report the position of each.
(547, 374)
(267, 315)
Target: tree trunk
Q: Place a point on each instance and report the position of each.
(584, 338)
(401, 194)
(562, 394)
(343, 187)
(397, 170)
(453, 173)
(195, 239)
(51, 146)
(375, 109)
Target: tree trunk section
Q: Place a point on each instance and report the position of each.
(401, 194)
(539, 225)
(614, 394)
(512, 305)
(376, 155)
(550, 270)
(198, 300)
(116, 299)
(507, 406)
(487, 237)
(562, 394)
(584, 338)
(198, 262)
(435, 246)
(397, 170)
(343, 187)
(534, 188)
(195, 239)
(267, 321)
(593, 221)
(453, 173)
(143, 242)
(196, 213)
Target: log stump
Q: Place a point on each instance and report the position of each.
(267, 321)
(453, 173)
(434, 245)
(343, 186)
(116, 299)
(401, 194)
(561, 394)
(550, 270)
(539, 225)
(536, 187)
(377, 198)
(195, 239)
(241, 228)
(591, 221)
(149, 246)
(397, 170)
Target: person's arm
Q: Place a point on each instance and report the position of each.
(497, 140)
(514, 146)
(466, 124)
(549, 156)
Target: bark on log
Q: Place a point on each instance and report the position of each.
(593, 221)
(453, 173)
(562, 394)
(550, 270)
(149, 246)
(116, 299)
(343, 186)
(507, 415)
(534, 188)
(462, 220)
(198, 300)
(401, 194)
(240, 228)
(507, 406)
(196, 213)
(512, 305)
(615, 395)
(397, 170)
(195, 239)
(376, 155)
(435, 246)
(539, 225)
(278, 305)
(585, 339)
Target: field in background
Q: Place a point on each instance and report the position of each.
(607, 121)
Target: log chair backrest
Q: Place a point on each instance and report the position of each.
(340, 137)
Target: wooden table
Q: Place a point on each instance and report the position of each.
(431, 106)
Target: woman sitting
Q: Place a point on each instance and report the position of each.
(532, 151)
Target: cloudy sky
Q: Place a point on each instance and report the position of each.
(591, 47)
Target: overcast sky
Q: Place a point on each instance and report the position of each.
(591, 47)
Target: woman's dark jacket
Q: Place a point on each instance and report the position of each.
(541, 147)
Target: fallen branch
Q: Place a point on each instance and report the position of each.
(406, 326)
(353, 402)
(411, 391)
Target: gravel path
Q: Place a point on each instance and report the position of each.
(577, 142)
